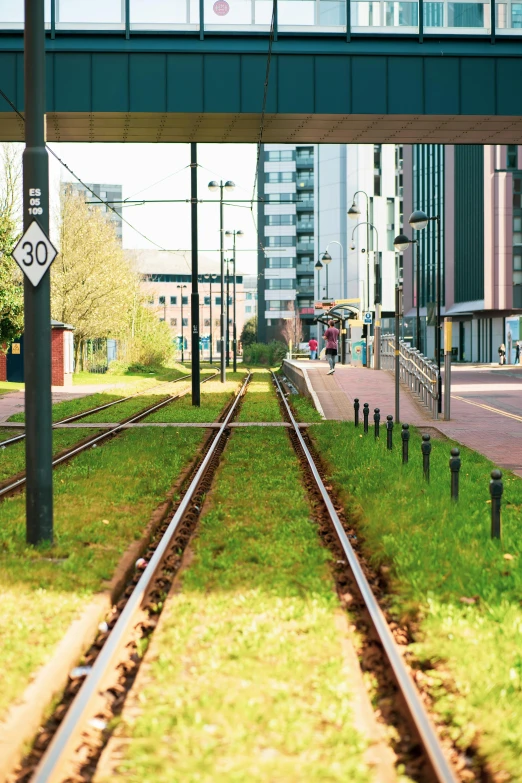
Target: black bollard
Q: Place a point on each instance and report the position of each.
(496, 488)
(405, 435)
(366, 416)
(454, 464)
(376, 420)
(356, 407)
(389, 432)
(426, 450)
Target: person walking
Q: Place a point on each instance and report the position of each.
(517, 352)
(312, 344)
(502, 354)
(332, 337)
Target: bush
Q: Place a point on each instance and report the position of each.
(267, 355)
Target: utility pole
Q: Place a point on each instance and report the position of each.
(194, 297)
(37, 298)
(227, 333)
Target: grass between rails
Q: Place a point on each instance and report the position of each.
(103, 500)
(62, 410)
(260, 404)
(440, 553)
(12, 458)
(141, 379)
(247, 680)
(214, 397)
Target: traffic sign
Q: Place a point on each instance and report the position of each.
(368, 318)
(34, 253)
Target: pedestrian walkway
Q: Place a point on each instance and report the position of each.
(494, 433)
(13, 402)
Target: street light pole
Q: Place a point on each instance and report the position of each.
(327, 258)
(234, 324)
(227, 334)
(37, 300)
(181, 287)
(377, 298)
(194, 297)
(221, 186)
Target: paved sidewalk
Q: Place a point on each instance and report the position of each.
(13, 402)
(496, 434)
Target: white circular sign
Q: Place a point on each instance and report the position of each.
(221, 7)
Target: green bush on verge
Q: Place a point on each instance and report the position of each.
(265, 354)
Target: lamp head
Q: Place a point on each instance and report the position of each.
(318, 265)
(229, 185)
(418, 220)
(401, 242)
(213, 186)
(240, 233)
(354, 211)
(326, 257)
(229, 233)
(352, 246)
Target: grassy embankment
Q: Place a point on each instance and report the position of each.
(248, 681)
(103, 500)
(461, 587)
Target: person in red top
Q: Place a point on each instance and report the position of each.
(332, 338)
(312, 344)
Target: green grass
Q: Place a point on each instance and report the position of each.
(10, 432)
(125, 410)
(12, 458)
(62, 410)
(439, 553)
(214, 397)
(260, 403)
(103, 500)
(247, 683)
(144, 379)
(7, 386)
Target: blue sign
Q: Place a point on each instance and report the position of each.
(368, 318)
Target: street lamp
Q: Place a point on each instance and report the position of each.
(419, 220)
(341, 259)
(401, 243)
(182, 338)
(376, 299)
(210, 278)
(221, 186)
(234, 325)
(354, 213)
(326, 259)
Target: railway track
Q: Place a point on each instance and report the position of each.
(72, 753)
(13, 485)
(440, 768)
(78, 416)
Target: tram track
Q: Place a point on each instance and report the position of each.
(407, 702)
(15, 483)
(68, 747)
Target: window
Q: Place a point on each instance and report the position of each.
(279, 304)
(279, 197)
(517, 230)
(433, 14)
(173, 321)
(281, 241)
(207, 300)
(279, 262)
(517, 190)
(516, 15)
(218, 300)
(377, 166)
(465, 15)
(184, 300)
(161, 300)
(390, 222)
(173, 300)
(206, 322)
(280, 282)
(281, 176)
(512, 155)
(185, 322)
(305, 281)
(305, 152)
(280, 220)
(248, 309)
(248, 296)
(279, 155)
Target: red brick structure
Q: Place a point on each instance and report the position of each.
(3, 366)
(62, 355)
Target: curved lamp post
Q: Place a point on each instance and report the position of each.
(234, 327)
(214, 186)
(377, 297)
(354, 213)
(326, 257)
(401, 243)
(181, 287)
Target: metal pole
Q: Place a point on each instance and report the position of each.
(222, 289)
(37, 300)
(194, 297)
(377, 329)
(447, 368)
(368, 363)
(182, 337)
(234, 327)
(211, 333)
(228, 313)
(419, 341)
(397, 355)
(439, 297)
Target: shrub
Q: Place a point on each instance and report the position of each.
(267, 355)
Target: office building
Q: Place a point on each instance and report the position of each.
(110, 193)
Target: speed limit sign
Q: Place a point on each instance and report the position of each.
(34, 253)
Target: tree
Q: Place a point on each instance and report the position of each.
(11, 279)
(93, 285)
(292, 330)
(249, 332)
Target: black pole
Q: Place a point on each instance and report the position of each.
(397, 359)
(194, 297)
(376, 421)
(426, 451)
(37, 300)
(234, 327)
(182, 337)
(439, 298)
(222, 288)
(405, 435)
(211, 332)
(366, 414)
(418, 341)
(389, 432)
(454, 465)
(228, 313)
(496, 489)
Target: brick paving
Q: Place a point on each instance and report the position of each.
(495, 434)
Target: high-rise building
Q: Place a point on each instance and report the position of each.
(305, 192)
(106, 193)
(477, 191)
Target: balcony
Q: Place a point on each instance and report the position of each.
(305, 247)
(305, 206)
(305, 269)
(305, 290)
(304, 162)
(305, 225)
(304, 183)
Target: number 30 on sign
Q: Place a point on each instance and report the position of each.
(34, 253)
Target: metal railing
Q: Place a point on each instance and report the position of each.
(415, 371)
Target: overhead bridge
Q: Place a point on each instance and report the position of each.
(194, 70)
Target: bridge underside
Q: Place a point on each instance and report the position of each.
(278, 128)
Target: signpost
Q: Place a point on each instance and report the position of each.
(368, 318)
(34, 254)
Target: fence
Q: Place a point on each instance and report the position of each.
(415, 371)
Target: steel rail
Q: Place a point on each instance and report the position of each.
(49, 768)
(104, 435)
(77, 416)
(428, 736)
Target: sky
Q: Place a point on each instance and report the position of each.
(161, 171)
